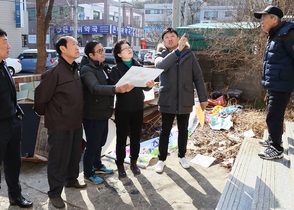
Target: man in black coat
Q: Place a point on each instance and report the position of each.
(10, 129)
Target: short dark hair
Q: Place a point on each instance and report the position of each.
(61, 42)
(117, 49)
(2, 32)
(168, 30)
(89, 48)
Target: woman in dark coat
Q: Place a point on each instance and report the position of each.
(128, 109)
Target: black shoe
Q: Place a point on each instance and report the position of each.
(75, 185)
(271, 153)
(121, 172)
(268, 142)
(265, 143)
(20, 201)
(134, 167)
(57, 202)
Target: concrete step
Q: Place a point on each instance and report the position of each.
(239, 190)
(290, 140)
(272, 190)
(259, 184)
(272, 185)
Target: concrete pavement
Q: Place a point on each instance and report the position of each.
(176, 188)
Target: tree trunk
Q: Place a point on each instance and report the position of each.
(44, 16)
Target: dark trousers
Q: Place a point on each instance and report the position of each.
(276, 103)
(10, 137)
(96, 135)
(167, 122)
(63, 160)
(128, 123)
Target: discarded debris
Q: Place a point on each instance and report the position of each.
(207, 142)
(203, 160)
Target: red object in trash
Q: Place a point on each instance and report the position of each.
(220, 101)
(143, 43)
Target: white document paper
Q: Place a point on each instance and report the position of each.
(203, 160)
(138, 76)
(149, 95)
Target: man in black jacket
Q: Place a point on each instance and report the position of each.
(277, 76)
(98, 108)
(59, 97)
(10, 129)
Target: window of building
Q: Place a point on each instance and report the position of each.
(24, 7)
(228, 14)
(210, 15)
(32, 14)
(153, 11)
(111, 17)
(61, 11)
(166, 11)
(81, 9)
(137, 21)
(24, 40)
(96, 15)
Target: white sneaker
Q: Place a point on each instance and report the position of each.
(184, 163)
(159, 166)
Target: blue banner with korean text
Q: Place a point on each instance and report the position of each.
(100, 29)
(85, 29)
(17, 14)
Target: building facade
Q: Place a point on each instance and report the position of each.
(96, 20)
(157, 18)
(14, 22)
(213, 14)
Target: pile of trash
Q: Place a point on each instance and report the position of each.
(228, 123)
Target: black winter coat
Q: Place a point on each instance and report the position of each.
(278, 64)
(177, 82)
(130, 101)
(98, 94)
(59, 97)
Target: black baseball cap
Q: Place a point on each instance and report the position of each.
(270, 10)
(169, 30)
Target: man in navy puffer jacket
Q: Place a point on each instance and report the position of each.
(277, 76)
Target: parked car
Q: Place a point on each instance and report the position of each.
(109, 57)
(135, 55)
(28, 59)
(82, 53)
(141, 55)
(149, 57)
(13, 65)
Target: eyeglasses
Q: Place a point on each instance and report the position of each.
(100, 51)
(126, 48)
